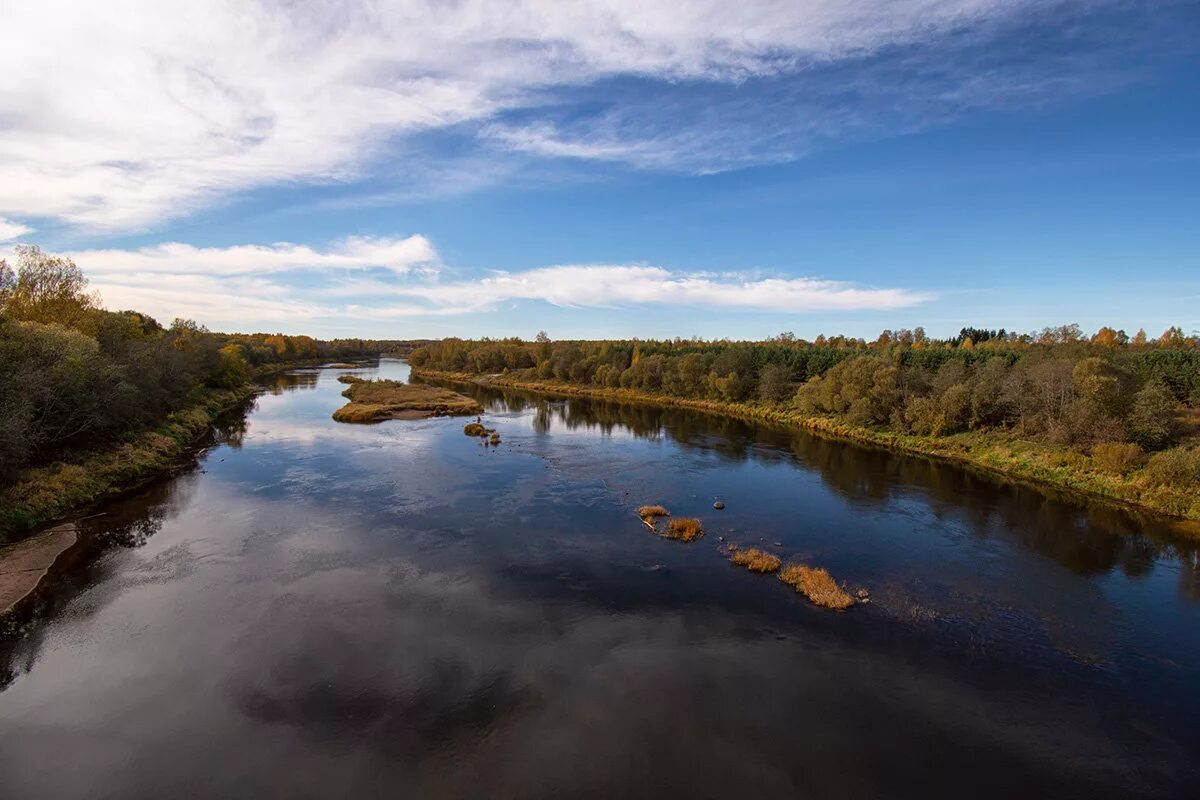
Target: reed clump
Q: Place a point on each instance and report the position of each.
(685, 529)
(817, 585)
(755, 560)
(652, 512)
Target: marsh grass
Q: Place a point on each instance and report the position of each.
(475, 429)
(350, 379)
(755, 560)
(817, 585)
(494, 439)
(685, 529)
(373, 401)
(652, 512)
(343, 365)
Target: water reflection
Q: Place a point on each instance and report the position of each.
(1086, 538)
(331, 610)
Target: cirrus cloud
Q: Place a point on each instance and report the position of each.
(122, 114)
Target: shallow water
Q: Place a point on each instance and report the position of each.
(318, 610)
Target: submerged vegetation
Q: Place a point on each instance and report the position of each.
(374, 401)
(1108, 414)
(755, 560)
(817, 585)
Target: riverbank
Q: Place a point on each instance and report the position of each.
(995, 453)
(44, 494)
(23, 565)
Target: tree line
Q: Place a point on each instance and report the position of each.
(74, 375)
(1110, 394)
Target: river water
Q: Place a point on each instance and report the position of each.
(325, 610)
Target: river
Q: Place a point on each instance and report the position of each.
(316, 609)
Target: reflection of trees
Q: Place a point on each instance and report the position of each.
(283, 381)
(231, 428)
(1088, 538)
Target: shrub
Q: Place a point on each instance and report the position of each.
(1117, 457)
(1151, 422)
(1179, 466)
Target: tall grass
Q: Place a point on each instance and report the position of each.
(685, 529)
(817, 585)
(755, 560)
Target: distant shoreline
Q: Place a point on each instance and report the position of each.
(997, 455)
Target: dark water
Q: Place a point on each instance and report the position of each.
(322, 610)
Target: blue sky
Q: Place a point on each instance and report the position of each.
(608, 169)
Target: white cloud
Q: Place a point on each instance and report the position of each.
(306, 289)
(124, 113)
(12, 230)
(414, 253)
(607, 285)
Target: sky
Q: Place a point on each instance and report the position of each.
(611, 168)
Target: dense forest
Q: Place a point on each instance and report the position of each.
(74, 376)
(1117, 398)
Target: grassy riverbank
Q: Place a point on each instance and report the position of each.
(1002, 453)
(43, 494)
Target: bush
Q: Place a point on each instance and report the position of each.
(1179, 466)
(1151, 422)
(1117, 457)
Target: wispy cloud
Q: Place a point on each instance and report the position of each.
(609, 285)
(141, 112)
(399, 255)
(355, 280)
(12, 230)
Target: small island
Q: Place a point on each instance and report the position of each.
(375, 401)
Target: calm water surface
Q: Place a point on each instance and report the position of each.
(323, 610)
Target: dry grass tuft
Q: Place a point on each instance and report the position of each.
(495, 439)
(373, 401)
(652, 512)
(817, 585)
(685, 529)
(755, 560)
(475, 429)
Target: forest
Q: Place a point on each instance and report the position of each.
(76, 377)
(1127, 403)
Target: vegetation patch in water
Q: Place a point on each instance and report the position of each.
(755, 560)
(652, 512)
(341, 365)
(475, 429)
(373, 401)
(350, 379)
(685, 529)
(817, 585)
